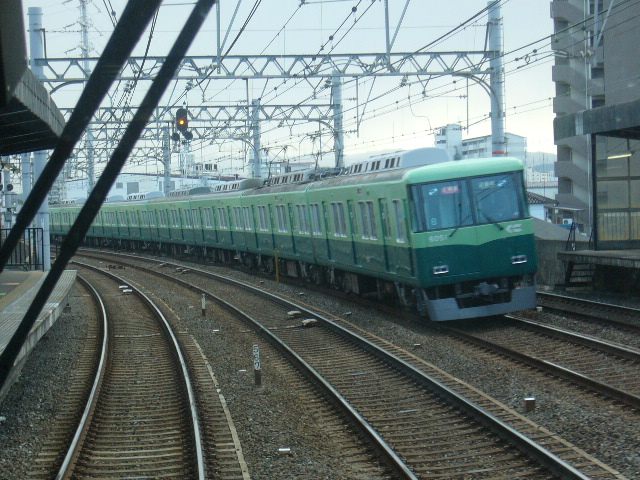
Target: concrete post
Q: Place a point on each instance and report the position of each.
(498, 138)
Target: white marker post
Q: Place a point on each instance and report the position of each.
(256, 365)
(204, 306)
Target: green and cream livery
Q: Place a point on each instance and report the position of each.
(453, 239)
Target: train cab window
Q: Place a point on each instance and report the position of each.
(441, 205)
(496, 198)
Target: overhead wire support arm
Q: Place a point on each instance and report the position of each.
(126, 34)
(90, 209)
(196, 68)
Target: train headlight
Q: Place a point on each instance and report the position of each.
(440, 270)
(518, 259)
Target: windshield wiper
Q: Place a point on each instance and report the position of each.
(493, 221)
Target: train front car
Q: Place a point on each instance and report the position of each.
(473, 238)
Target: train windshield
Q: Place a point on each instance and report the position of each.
(463, 202)
(497, 198)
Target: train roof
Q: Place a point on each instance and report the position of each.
(464, 168)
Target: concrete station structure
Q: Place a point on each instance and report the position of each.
(29, 122)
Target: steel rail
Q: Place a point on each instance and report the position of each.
(196, 432)
(550, 367)
(546, 458)
(622, 351)
(71, 457)
(616, 309)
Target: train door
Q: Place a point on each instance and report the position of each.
(400, 255)
(252, 227)
(292, 226)
(327, 230)
(272, 227)
(353, 225)
(385, 224)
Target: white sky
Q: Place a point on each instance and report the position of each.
(389, 123)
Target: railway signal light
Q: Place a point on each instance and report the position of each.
(182, 120)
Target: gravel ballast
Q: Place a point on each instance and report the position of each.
(277, 415)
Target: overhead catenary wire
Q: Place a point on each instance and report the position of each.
(134, 19)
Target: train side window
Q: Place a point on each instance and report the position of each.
(386, 221)
(208, 220)
(372, 221)
(303, 219)
(195, 217)
(263, 218)
(339, 220)
(364, 219)
(398, 213)
(222, 218)
(248, 218)
(187, 218)
(281, 213)
(316, 219)
(367, 216)
(152, 218)
(237, 214)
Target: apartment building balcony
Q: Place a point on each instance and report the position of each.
(565, 104)
(570, 200)
(572, 171)
(577, 144)
(596, 87)
(564, 10)
(568, 74)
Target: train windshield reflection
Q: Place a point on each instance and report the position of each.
(464, 202)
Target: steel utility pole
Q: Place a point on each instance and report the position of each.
(36, 43)
(496, 80)
(84, 23)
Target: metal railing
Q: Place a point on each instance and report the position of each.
(29, 253)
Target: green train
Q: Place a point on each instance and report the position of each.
(453, 239)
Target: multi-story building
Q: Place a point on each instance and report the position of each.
(449, 137)
(596, 65)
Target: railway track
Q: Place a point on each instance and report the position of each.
(140, 419)
(401, 409)
(607, 314)
(600, 366)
